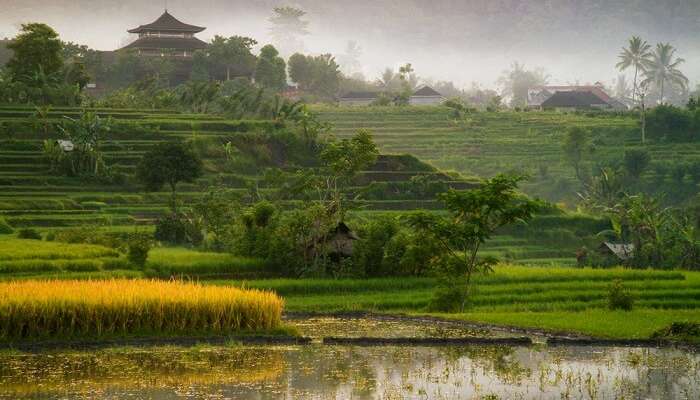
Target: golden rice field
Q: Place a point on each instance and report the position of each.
(32, 310)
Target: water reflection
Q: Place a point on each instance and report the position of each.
(346, 372)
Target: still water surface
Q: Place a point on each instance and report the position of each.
(319, 371)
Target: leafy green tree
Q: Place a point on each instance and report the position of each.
(271, 70)
(475, 215)
(158, 70)
(287, 28)
(232, 55)
(636, 161)
(604, 190)
(347, 157)
(87, 134)
(662, 69)
(637, 56)
(169, 164)
(319, 75)
(343, 160)
(575, 146)
(200, 66)
(37, 48)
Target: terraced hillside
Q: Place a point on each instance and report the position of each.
(488, 143)
(31, 196)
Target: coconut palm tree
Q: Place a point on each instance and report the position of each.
(637, 55)
(663, 68)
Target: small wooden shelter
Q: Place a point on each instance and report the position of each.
(622, 252)
(337, 244)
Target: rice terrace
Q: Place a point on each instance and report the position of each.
(259, 200)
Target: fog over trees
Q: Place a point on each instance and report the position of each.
(463, 41)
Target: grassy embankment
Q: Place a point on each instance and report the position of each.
(557, 299)
(27, 259)
(35, 310)
(31, 196)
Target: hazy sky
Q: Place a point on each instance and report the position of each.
(458, 40)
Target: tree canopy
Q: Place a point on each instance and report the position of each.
(271, 70)
(169, 164)
(37, 49)
(319, 75)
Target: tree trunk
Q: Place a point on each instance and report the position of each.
(228, 73)
(634, 89)
(644, 122)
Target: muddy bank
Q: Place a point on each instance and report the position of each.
(153, 341)
(467, 341)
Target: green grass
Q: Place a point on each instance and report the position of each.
(553, 298)
(636, 324)
(12, 249)
(175, 261)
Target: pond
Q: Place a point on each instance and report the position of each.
(318, 371)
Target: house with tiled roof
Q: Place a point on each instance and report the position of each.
(572, 96)
(426, 96)
(358, 98)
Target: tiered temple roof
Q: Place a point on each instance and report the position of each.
(167, 23)
(167, 36)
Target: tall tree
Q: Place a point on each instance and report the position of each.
(575, 146)
(350, 60)
(517, 81)
(388, 80)
(663, 69)
(474, 216)
(270, 71)
(233, 55)
(287, 29)
(200, 66)
(169, 163)
(636, 55)
(37, 49)
(319, 75)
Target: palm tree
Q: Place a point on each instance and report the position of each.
(637, 55)
(663, 68)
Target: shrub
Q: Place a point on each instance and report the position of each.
(86, 234)
(177, 228)
(137, 248)
(619, 297)
(678, 172)
(369, 250)
(694, 171)
(687, 331)
(5, 228)
(29, 233)
(446, 299)
(636, 162)
(670, 123)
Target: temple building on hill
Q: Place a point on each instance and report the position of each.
(166, 37)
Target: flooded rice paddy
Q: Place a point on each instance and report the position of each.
(318, 371)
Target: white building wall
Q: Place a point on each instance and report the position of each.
(425, 100)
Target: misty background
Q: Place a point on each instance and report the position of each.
(465, 41)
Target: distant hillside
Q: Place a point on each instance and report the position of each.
(526, 142)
